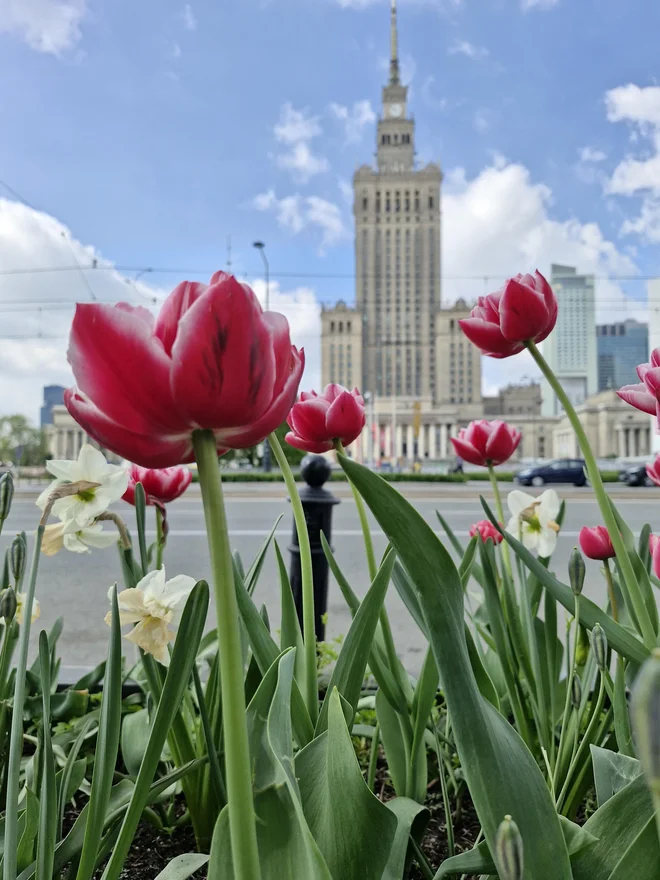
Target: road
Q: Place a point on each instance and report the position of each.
(76, 586)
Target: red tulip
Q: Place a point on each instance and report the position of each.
(524, 310)
(654, 540)
(655, 557)
(653, 470)
(484, 442)
(596, 542)
(317, 421)
(646, 395)
(211, 359)
(485, 529)
(160, 484)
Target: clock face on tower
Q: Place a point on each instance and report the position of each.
(395, 110)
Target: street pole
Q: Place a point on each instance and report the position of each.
(261, 247)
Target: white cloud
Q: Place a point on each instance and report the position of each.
(297, 128)
(355, 119)
(345, 189)
(189, 19)
(538, 4)
(302, 162)
(481, 122)
(176, 51)
(591, 154)
(51, 26)
(633, 103)
(296, 125)
(297, 213)
(464, 47)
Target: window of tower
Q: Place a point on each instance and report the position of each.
(387, 203)
(405, 138)
(430, 203)
(378, 203)
(348, 328)
(396, 138)
(417, 201)
(332, 326)
(397, 202)
(365, 203)
(341, 326)
(407, 201)
(451, 325)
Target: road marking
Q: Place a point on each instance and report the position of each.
(336, 533)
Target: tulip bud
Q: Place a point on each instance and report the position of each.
(645, 706)
(8, 604)
(576, 691)
(17, 557)
(599, 646)
(576, 571)
(582, 652)
(509, 849)
(6, 495)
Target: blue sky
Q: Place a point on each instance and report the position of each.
(146, 132)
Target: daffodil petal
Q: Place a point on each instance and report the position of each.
(518, 501)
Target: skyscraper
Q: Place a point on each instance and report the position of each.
(621, 347)
(397, 251)
(571, 347)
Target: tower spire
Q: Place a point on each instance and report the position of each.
(394, 51)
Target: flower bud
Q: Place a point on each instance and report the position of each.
(576, 691)
(8, 604)
(645, 711)
(509, 849)
(6, 495)
(576, 571)
(17, 557)
(582, 652)
(599, 646)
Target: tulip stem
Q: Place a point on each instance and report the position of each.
(160, 539)
(500, 513)
(610, 590)
(629, 578)
(16, 736)
(309, 629)
(242, 828)
(364, 522)
(571, 663)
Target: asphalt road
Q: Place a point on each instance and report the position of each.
(76, 586)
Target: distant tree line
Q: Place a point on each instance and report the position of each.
(21, 443)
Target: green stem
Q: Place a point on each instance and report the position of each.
(373, 758)
(364, 522)
(500, 513)
(309, 630)
(16, 737)
(242, 827)
(160, 539)
(449, 821)
(586, 740)
(632, 587)
(570, 671)
(610, 591)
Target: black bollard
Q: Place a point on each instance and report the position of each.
(317, 503)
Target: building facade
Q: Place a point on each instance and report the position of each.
(53, 396)
(614, 429)
(524, 400)
(66, 438)
(571, 347)
(458, 378)
(341, 346)
(621, 347)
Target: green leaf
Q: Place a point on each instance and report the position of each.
(473, 861)
(348, 674)
(617, 825)
(47, 834)
(28, 826)
(68, 776)
(178, 676)
(577, 837)
(465, 568)
(91, 679)
(502, 776)
(397, 742)
(411, 820)
(352, 828)
(135, 732)
(612, 772)
(641, 571)
(619, 639)
(183, 866)
(106, 747)
(290, 634)
(250, 579)
(73, 780)
(622, 726)
(266, 651)
(423, 700)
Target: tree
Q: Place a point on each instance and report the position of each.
(20, 442)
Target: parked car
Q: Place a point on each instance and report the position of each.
(563, 470)
(635, 475)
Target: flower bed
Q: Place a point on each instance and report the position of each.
(534, 720)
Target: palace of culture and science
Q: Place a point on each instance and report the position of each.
(406, 353)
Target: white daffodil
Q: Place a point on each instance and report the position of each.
(59, 535)
(533, 520)
(80, 510)
(20, 608)
(155, 605)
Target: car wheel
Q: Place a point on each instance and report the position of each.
(537, 481)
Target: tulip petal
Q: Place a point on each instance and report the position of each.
(345, 418)
(110, 348)
(308, 419)
(639, 397)
(308, 445)
(467, 452)
(174, 308)
(488, 337)
(502, 442)
(523, 312)
(150, 450)
(223, 363)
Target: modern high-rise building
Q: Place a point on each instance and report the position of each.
(571, 347)
(621, 347)
(53, 396)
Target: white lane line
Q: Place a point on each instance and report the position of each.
(336, 533)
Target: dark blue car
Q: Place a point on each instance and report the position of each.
(563, 470)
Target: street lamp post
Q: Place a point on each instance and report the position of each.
(261, 247)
